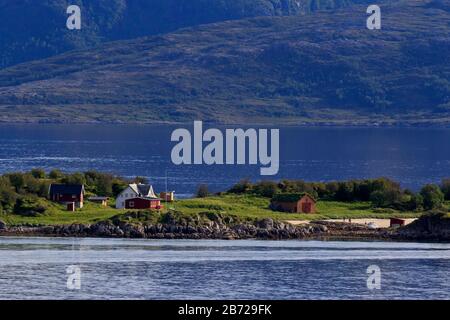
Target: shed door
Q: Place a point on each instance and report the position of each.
(306, 207)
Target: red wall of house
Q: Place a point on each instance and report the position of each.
(142, 204)
(67, 198)
(306, 205)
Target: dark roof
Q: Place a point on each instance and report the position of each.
(66, 188)
(290, 197)
(144, 188)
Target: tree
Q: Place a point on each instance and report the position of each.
(266, 189)
(7, 195)
(432, 196)
(17, 180)
(202, 191)
(385, 198)
(445, 187)
(74, 178)
(118, 186)
(332, 188)
(99, 183)
(104, 185)
(142, 180)
(241, 187)
(345, 191)
(55, 174)
(414, 203)
(38, 173)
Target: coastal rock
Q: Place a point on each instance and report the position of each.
(48, 230)
(102, 229)
(265, 223)
(434, 226)
(262, 233)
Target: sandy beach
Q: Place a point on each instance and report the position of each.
(381, 223)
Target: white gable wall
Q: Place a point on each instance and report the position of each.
(126, 194)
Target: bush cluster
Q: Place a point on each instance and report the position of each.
(381, 192)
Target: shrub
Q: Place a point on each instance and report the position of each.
(415, 203)
(30, 206)
(385, 198)
(445, 188)
(265, 189)
(17, 180)
(8, 199)
(345, 191)
(38, 173)
(99, 183)
(55, 174)
(202, 191)
(74, 178)
(432, 196)
(332, 188)
(243, 186)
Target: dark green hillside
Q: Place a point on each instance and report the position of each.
(31, 29)
(325, 68)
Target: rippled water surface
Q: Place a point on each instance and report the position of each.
(413, 157)
(35, 268)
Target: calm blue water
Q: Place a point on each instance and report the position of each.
(35, 268)
(412, 156)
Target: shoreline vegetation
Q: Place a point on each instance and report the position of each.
(358, 120)
(242, 212)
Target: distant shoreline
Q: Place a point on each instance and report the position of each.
(268, 123)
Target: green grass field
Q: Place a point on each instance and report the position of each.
(244, 207)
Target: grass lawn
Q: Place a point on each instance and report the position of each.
(91, 213)
(244, 207)
(256, 207)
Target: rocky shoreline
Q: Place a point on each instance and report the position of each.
(264, 229)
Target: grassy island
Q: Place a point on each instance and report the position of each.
(24, 200)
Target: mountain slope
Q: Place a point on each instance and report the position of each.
(326, 68)
(31, 29)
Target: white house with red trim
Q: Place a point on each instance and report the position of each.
(134, 190)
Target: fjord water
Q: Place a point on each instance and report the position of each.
(409, 155)
(35, 268)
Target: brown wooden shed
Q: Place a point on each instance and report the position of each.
(293, 203)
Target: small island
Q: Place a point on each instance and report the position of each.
(95, 204)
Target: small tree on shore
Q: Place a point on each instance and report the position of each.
(202, 191)
(433, 197)
(38, 173)
(445, 187)
(55, 174)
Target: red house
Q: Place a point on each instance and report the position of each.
(143, 203)
(293, 203)
(67, 193)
